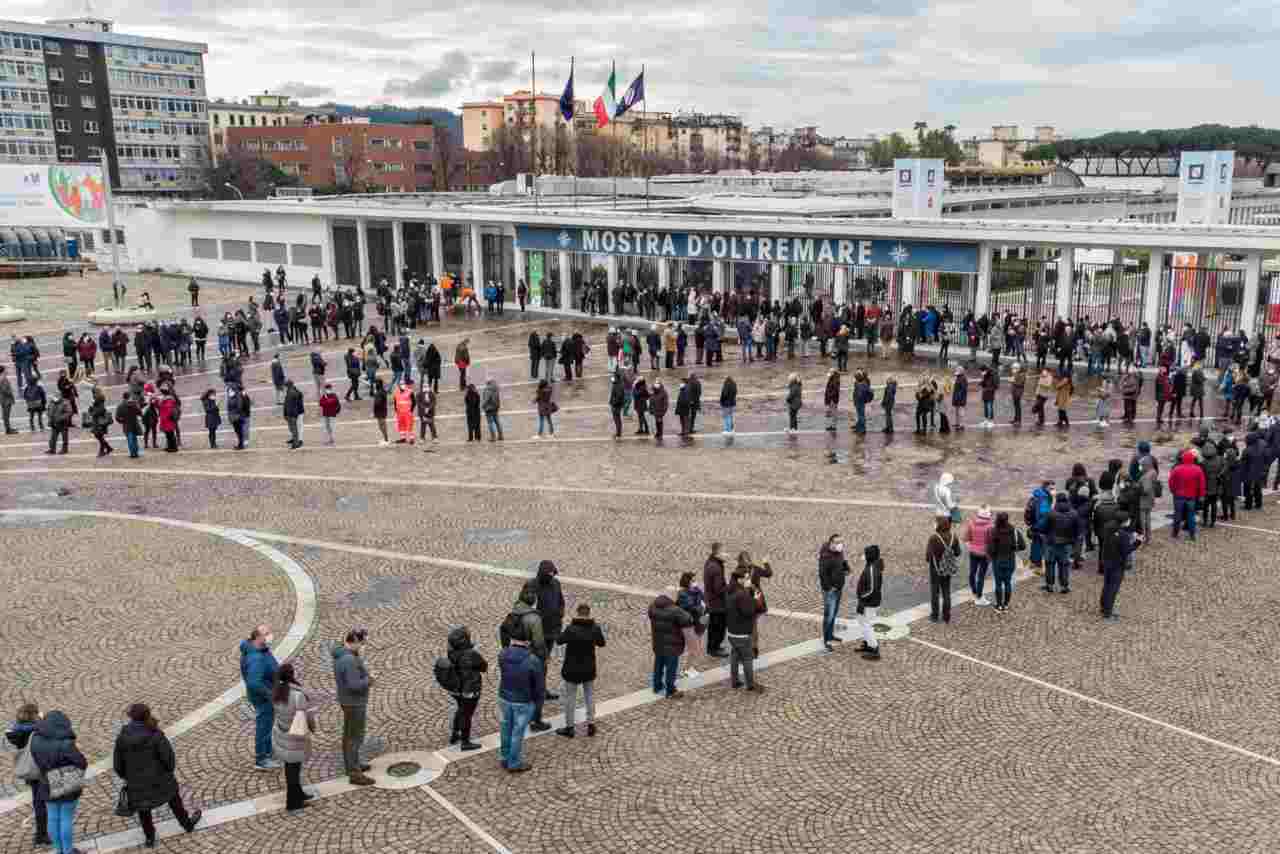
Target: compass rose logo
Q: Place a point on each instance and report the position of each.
(899, 254)
(564, 239)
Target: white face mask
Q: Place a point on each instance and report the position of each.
(839, 547)
(269, 639)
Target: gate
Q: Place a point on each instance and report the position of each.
(1025, 287)
(1267, 321)
(1104, 292)
(1202, 297)
(956, 291)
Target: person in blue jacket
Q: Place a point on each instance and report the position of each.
(1036, 516)
(258, 670)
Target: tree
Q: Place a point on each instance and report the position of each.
(247, 171)
(884, 151)
(449, 159)
(941, 144)
(1255, 146)
(921, 127)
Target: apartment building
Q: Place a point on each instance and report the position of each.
(390, 158)
(265, 110)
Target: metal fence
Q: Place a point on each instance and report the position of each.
(1103, 292)
(1025, 287)
(1202, 297)
(1267, 321)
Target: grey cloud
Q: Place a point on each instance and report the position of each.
(496, 72)
(297, 89)
(454, 69)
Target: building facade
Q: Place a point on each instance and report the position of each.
(265, 110)
(70, 89)
(522, 109)
(386, 158)
(1005, 147)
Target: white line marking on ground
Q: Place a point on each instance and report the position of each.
(304, 617)
(1247, 528)
(476, 830)
(1249, 754)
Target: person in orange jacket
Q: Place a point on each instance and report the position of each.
(404, 412)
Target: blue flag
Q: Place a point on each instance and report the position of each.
(633, 95)
(566, 99)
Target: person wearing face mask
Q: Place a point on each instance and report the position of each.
(258, 670)
(833, 569)
(353, 682)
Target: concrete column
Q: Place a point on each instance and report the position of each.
(362, 243)
(664, 273)
(397, 243)
(1152, 311)
(477, 259)
(982, 285)
(1066, 279)
(775, 281)
(717, 276)
(1252, 279)
(437, 250)
(522, 271)
(330, 265)
(612, 269)
(840, 287)
(566, 282)
(908, 295)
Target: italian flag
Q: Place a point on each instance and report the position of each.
(606, 104)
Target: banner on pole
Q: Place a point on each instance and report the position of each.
(69, 195)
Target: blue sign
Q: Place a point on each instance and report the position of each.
(760, 248)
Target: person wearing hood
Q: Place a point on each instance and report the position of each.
(580, 640)
(870, 584)
(1211, 464)
(23, 728)
(1254, 466)
(353, 683)
(257, 670)
(1063, 528)
(471, 667)
(977, 538)
(430, 368)
(728, 403)
(53, 748)
(143, 758)
(659, 401)
(944, 501)
(1187, 484)
(833, 569)
(491, 403)
(548, 599)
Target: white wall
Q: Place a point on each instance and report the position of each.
(239, 225)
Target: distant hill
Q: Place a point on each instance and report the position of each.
(379, 114)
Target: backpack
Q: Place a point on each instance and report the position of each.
(1029, 512)
(1159, 488)
(447, 675)
(949, 563)
(508, 629)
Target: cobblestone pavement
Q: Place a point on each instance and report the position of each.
(1031, 741)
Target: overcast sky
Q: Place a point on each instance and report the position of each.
(848, 66)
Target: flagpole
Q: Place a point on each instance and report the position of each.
(613, 76)
(644, 139)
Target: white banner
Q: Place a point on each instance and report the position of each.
(67, 195)
(918, 187)
(1204, 187)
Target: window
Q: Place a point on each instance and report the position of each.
(236, 250)
(13, 41)
(204, 247)
(270, 253)
(62, 126)
(95, 152)
(215, 118)
(82, 51)
(106, 237)
(88, 102)
(55, 74)
(253, 121)
(53, 48)
(241, 121)
(90, 127)
(307, 255)
(67, 152)
(59, 100)
(86, 76)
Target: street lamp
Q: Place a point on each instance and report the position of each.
(231, 186)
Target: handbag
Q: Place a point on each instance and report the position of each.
(122, 807)
(299, 727)
(64, 781)
(955, 515)
(24, 767)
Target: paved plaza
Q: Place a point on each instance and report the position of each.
(1042, 729)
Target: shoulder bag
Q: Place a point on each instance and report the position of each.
(64, 781)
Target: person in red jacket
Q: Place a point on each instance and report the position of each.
(1187, 484)
(169, 410)
(330, 406)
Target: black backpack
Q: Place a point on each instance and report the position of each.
(1029, 512)
(447, 675)
(510, 626)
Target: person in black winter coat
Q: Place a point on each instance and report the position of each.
(667, 620)
(580, 640)
(24, 727)
(144, 760)
(658, 403)
(1062, 529)
(293, 410)
(471, 402)
(617, 398)
(833, 569)
(740, 619)
(535, 354)
(870, 586)
(1253, 463)
(549, 602)
(470, 666)
(714, 588)
(52, 746)
(728, 403)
